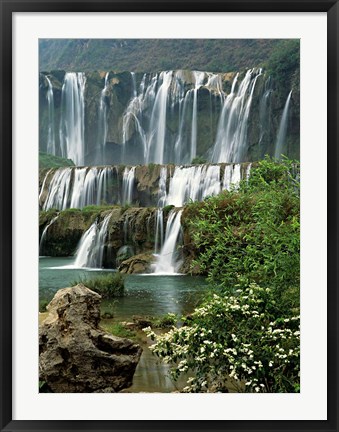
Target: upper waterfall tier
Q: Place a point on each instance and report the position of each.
(166, 117)
(148, 185)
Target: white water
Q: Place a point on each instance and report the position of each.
(193, 183)
(91, 246)
(199, 79)
(51, 132)
(167, 96)
(167, 261)
(282, 132)
(74, 187)
(102, 122)
(231, 140)
(232, 176)
(72, 121)
(128, 181)
(44, 235)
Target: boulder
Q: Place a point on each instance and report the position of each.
(75, 354)
(137, 264)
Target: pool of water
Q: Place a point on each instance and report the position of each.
(145, 295)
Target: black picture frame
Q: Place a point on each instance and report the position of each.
(331, 7)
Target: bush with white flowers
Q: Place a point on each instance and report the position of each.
(233, 342)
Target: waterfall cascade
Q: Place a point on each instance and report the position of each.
(167, 117)
(91, 247)
(281, 137)
(167, 261)
(44, 235)
(72, 121)
(78, 187)
(51, 131)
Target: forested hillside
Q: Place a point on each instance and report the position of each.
(151, 55)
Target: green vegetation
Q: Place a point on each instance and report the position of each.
(117, 329)
(199, 160)
(165, 321)
(110, 285)
(50, 161)
(151, 55)
(246, 335)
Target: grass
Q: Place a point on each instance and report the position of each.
(117, 329)
(110, 285)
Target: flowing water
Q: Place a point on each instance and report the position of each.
(282, 132)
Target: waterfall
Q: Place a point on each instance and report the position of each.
(102, 121)
(170, 97)
(159, 214)
(232, 176)
(51, 133)
(156, 142)
(72, 121)
(74, 187)
(281, 136)
(199, 78)
(193, 183)
(231, 140)
(167, 261)
(44, 235)
(58, 191)
(128, 185)
(78, 187)
(90, 250)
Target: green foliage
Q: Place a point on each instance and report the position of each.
(246, 335)
(110, 285)
(167, 209)
(198, 160)
(168, 320)
(152, 55)
(252, 234)
(284, 59)
(117, 329)
(43, 305)
(237, 342)
(50, 161)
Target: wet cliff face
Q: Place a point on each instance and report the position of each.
(126, 115)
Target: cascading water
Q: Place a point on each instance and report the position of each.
(72, 121)
(199, 79)
(128, 185)
(51, 132)
(193, 183)
(167, 261)
(44, 235)
(91, 246)
(282, 132)
(159, 217)
(170, 97)
(102, 122)
(231, 141)
(74, 187)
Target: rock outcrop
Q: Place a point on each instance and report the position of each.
(137, 264)
(76, 355)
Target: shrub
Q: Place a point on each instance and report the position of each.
(246, 334)
(235, 341)
(109, 285)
